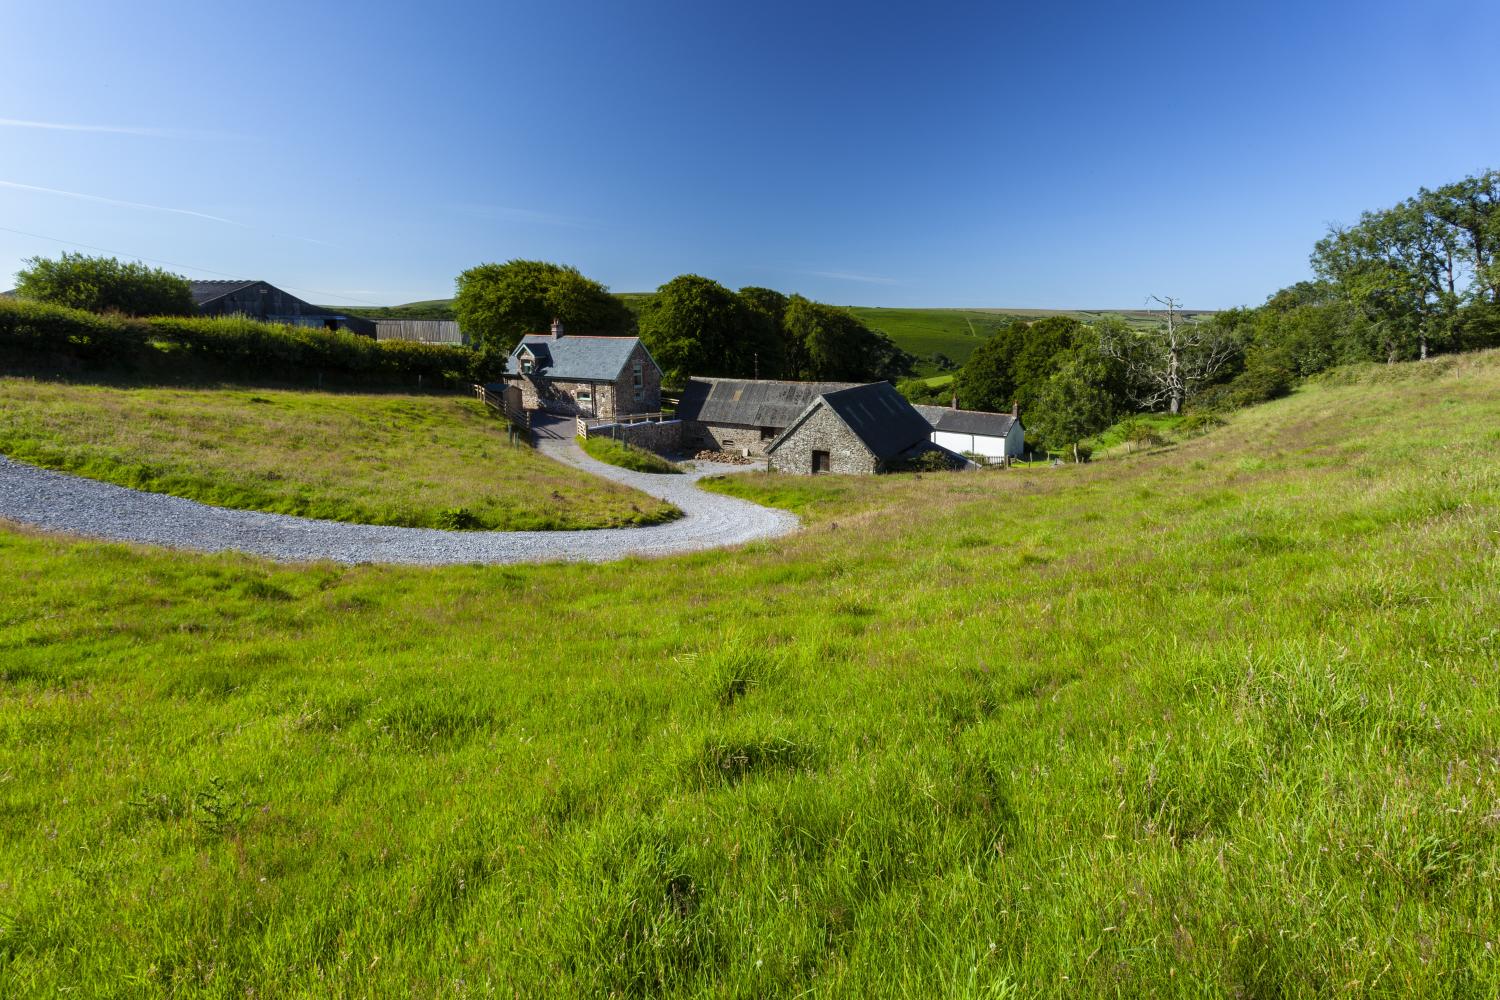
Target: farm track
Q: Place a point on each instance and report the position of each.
(55, 501)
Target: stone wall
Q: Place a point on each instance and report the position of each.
(562, 397)
(823, 431)
(663, 437)
(726, 437)
(623, 399)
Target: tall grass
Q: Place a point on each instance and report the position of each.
(416, 461)
(1219, 720)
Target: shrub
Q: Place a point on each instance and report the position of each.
(457, 519)
(40, 326)
(105, 284)
(1139, 434)
(234, 344)
(930, 460)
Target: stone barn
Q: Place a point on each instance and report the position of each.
(744, 415)
(863, 429)
(584, 376)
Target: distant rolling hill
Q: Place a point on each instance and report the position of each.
(953, 333)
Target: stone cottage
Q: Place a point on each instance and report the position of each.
(744, 415)
(568, 374)
(862, 429)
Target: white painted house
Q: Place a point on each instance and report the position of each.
(993, 437)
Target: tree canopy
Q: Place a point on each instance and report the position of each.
(696, 326)
(105, 284)
(496, 304)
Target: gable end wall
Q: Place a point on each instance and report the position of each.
(823, 431)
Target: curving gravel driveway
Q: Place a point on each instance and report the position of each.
(55, 501)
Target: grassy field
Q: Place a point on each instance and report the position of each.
(1219, 719)
(627, 456)
(420, 461)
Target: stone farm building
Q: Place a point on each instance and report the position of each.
(263, 301)
(599, 377)
(860, 429)
(744, 416)
(989, 437)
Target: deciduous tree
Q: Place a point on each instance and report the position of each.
(497, 304)
(105, 284)
(1168, 364)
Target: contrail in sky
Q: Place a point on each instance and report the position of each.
(123, 204)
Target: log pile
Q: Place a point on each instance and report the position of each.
(727, 457)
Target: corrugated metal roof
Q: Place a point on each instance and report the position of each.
(944, 418)
(597, 359)
(750, 403)
(206, 291)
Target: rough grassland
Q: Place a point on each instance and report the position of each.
(627, 456)
(364, 458)
(1221, 720)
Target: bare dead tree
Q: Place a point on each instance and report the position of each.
(1167, 364)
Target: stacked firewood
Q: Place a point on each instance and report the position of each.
(727, 457)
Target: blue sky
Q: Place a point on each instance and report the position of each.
(1061, 155)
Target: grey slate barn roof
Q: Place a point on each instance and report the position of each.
(574, 357)
(205, 292)
(944, 418)
(750, 403)
(883, 420)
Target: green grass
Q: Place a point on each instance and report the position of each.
(1216, 720)
(626, 455)
(924, 332)
(420, 461)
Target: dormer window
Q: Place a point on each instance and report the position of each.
(526, 366)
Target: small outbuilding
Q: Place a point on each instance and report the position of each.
(987, 437)
(862, 429)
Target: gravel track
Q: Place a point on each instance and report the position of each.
(55, 501)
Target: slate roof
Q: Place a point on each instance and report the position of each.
(750, 403)
(206, 291)
(944, 418)
(878, 415)
(586, 359)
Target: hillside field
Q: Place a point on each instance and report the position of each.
(922, 332)
(426, 461)
(1216, 719)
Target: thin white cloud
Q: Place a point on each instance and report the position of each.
(14, 185)
(868, 279)
(160, 133)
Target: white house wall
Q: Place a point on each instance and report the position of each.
(972, 444)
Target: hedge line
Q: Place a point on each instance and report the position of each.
(233, 344)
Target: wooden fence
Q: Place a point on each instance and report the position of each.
(508, 405)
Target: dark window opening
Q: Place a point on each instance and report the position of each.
(820, 461)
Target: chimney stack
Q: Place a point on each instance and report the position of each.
(955, 401)
(557, 328)
(1015, 408)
